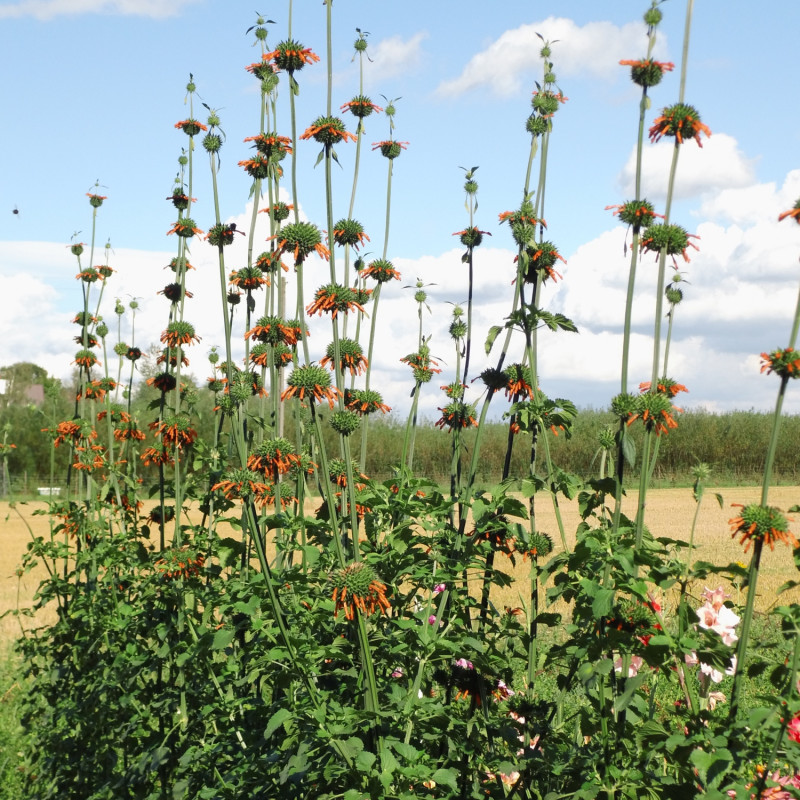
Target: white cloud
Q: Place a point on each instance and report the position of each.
(591, 50)
(394, 56)
(719, 165)
(47, 9)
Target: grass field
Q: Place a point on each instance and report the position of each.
(669, 513)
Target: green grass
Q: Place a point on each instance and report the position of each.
(12, 736)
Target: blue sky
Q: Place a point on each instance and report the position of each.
(93, 90)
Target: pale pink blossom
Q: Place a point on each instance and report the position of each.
(464, 664)
(439, 588)
(633, 668)
(714, 698)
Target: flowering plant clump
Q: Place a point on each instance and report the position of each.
(203, 545)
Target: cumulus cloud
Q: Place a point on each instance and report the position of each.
(394, 56)
(48, 9)
(590, 50)
(719, 165)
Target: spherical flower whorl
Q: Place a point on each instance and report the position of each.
(221, 235)
(191, 127)
(185, 227)
(274, 455)
(793, 212)
(624, 405)
(390, 148)
(271, 145)
(673, 239)
(180, 200)
(655, 410)
(546, 102)
(456, 415)
(454, 391)
(349, 232)
(95, 200)
(311, 382)
(279, 211)
(327, 131)
(164, 382)
(493, 379)
(537, 125)
(356, 587)
(291, 56)
(240, 483)
(249, 278)
(364, 401)
(361, 106)
(458, 329)
(648, 72)
(757, 523)
(76, 249)
(212, 142)
(175, 430)
(345, 422)
(245, 384)
(516, 385)
(269, 262)
(681, 121)
(179, 332)
(334, 298)
(380, 270)
(182, 562)
(665, 386)
(471, 237)
(422, 365)
(264, 70)
(636, 213)
(673, 294)
(301, 239)
(785, 362)
(539, 545)
(523, 224)
(351, 356)
(541, 258)
(133, 354)
(85, 358)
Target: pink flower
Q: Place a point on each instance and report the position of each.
(715, 597)
(463, 663)
(397, 672)
(439, 588)
(432, 619)
(793, 730)
(633, 668)
(715, 674)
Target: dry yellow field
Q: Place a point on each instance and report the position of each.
(669, 513)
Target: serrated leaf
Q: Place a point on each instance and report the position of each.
(276, 720)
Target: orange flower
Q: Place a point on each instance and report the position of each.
(766, 524)
(356, 587)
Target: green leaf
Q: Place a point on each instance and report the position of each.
(276, 720)
(711, 766)
(222, 638)
(447, 777)
(628, 447)
(365, 760)
(491, 336)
